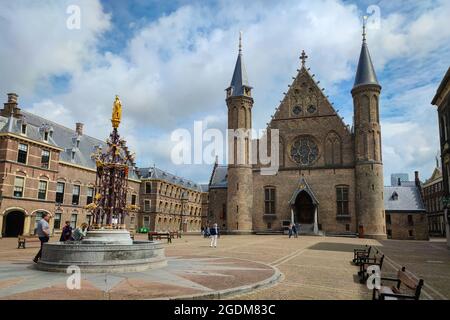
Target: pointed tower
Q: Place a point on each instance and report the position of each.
(368, 161)
(240, 180)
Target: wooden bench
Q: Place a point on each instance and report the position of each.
(22, 240)
(361, 254)
(159, 236)
(395, 292)
(175, 234)
(376, 260)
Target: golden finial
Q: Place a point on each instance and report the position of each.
(117, 113)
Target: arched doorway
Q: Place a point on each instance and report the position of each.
(304, 208)
(13, 222)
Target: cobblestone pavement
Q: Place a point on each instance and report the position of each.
(312, 267)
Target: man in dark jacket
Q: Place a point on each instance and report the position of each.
(66, 233)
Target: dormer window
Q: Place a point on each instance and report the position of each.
(50, 133)
(45, 135)
(73, 155)
(78, 143)
(394, 196)
(24, 128)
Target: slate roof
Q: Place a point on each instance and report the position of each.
(409, 199)
(240, 78)
(61, 137)
(156, 173)
(365, 73)
(219, 178)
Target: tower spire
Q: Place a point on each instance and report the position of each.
(239, 85)
(365, 73)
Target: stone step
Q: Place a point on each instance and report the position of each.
(342, 234)
(262, 233)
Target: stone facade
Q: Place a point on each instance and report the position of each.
(407, 226)
(218, 207)
(324, 182)
(171, 203)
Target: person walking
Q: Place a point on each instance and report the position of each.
(43, 232)
(207, 232)
(214, 235)
(66, 233)
(290, 230)
(294, 231)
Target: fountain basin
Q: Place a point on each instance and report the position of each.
(103, 256)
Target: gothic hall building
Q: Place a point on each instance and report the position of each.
(330, 178)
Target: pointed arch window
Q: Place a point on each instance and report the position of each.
(342, 196)
(269, 200)
(365, 109)
(333, 149)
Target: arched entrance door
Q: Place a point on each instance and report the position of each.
(304, 209)
(13, 223)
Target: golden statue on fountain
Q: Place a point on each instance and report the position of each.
(109, 207)
(116, 113)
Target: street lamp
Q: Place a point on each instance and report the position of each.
(184, 199)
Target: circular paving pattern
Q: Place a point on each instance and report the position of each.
(184, 277)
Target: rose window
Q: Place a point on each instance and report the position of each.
(304, 151)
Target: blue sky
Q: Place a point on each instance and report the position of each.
(170, 62)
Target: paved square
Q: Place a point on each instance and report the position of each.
(311, 268)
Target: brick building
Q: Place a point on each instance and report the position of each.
(406, 217)
(433, 192)
(46, 167)
(330, 177)
(171, 202)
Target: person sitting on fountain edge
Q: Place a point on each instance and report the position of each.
(80, 232)
(66, 233)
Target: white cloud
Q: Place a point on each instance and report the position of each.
(174, 69)
(37, 44)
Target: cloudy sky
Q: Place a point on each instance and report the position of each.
(170, 62)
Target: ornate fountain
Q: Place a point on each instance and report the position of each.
(107, 246)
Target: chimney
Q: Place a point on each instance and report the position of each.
(79, 128)
(12, 98)
(416, 178)
(10, 107)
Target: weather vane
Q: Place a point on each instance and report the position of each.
(240, 42)
(364, 27)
